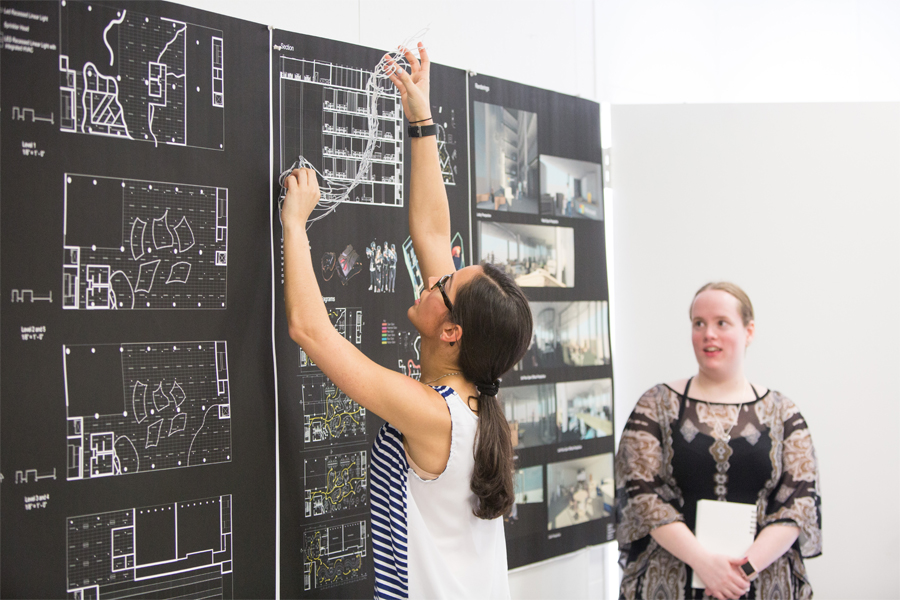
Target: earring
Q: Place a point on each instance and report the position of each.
(451, 343)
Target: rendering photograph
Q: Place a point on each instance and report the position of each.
(571, 188)
(531, 413)
(584, 409)
(533, 255)
(579, 490)
(506, 159)
(574, 334)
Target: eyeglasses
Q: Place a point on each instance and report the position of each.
(439, 284)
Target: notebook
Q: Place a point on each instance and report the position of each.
(727, 528)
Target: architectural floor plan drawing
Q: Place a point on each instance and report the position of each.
(348, 322)
(335, 483)
(177, 550)
(134, 408)
(334, 555)
(330, 417)
(130, 244)
(325, 118)
(140, 77)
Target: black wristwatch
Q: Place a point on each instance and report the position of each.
(749, 570)
(422, 130)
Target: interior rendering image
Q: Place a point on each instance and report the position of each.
(571, 188)
(584, 409)
(533, 255)
(531, 413)
(579, 490)
(574, 334)
(506, 159)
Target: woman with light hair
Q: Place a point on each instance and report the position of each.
(716, 436)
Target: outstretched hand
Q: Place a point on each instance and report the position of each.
(414, 87)
(301, 197)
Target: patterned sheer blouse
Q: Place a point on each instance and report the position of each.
(676, 450)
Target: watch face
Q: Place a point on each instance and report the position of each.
(748, 569)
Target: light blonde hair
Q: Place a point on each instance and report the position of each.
(746, 307)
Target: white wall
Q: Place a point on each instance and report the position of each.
(800, 205)
(660, 51)
(633, 51)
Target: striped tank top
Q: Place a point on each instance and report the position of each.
(426, 541)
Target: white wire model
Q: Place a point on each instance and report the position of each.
(335, 192)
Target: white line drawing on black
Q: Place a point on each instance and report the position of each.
(333, 555)
(408, 344)
(140, 77)
(33, 475)
(330, 417)
(335, 483)
(20, 112)
(21, 295)
(357, 149)
(131, 244)
(135, 408)
(177, 550)
(447, 153)
(348, 322)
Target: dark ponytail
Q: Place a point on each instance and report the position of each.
(496, 321)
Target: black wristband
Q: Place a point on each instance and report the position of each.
(422, 130)
(420, 121)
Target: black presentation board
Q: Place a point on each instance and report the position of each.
(137, 415)
(537, 200)
(367, 274)
(138, 236)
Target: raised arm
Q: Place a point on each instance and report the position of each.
(429, 211)
(400, 400)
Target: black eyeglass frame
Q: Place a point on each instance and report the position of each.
(439, 284)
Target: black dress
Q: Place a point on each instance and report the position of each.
(676, 450)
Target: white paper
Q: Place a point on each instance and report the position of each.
(727, 528)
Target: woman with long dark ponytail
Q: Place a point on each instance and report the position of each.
(441, 469)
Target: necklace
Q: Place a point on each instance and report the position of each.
(719, 429)
(448, 375)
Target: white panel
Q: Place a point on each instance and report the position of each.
(659, 51)
(800, 205)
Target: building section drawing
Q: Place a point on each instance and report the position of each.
(335, 483)
(334, 555)
(30, 296)
(330, 417)
(134, 408)
(135, 76)
(33, 475)
(177, 550)
(131, 244)
(348, 322)
(20, 113)
(347, 124)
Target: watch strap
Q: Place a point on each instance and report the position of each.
(422, 130)
(748, 570)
